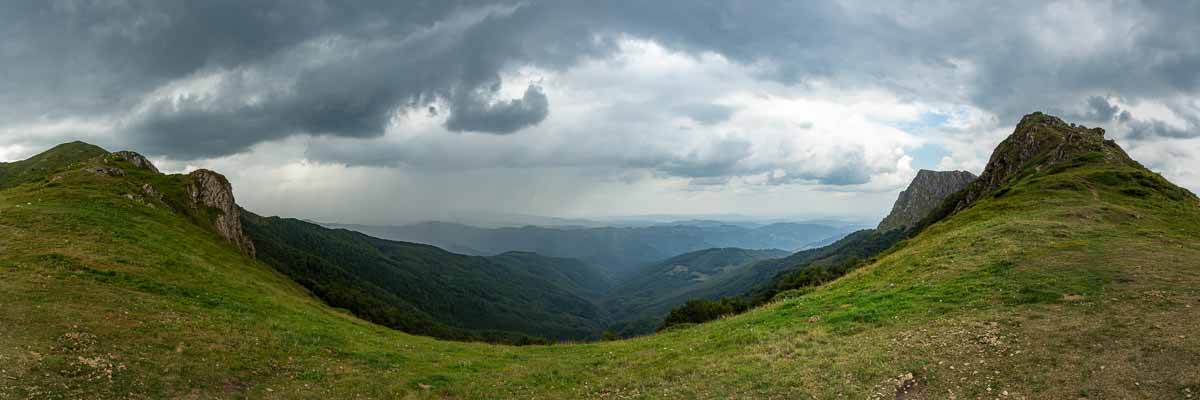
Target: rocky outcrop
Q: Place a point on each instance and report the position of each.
(925, 194)
(1039, 142)
(136, 159)
(102, 170)
(208, 189)
(150, 192)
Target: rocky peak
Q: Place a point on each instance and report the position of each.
(206, 188)
(925, 194)
(136, 159)
(1041, 141)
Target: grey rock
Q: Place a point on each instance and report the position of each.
(925, 194)
(136, 159)
(209, 189)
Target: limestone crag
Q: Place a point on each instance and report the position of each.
(1041, 141)
(925, 194)
(206, 188)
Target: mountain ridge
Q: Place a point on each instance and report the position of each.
(620, 250)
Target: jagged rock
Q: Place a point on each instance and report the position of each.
(1041, 141)
(925, 194)
(136, 159)
(110, 171)
(209, 189)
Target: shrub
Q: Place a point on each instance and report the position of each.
(698, 311)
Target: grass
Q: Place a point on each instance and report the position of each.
(1065, 286)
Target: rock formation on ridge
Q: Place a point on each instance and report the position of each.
(206, 188)
(1041, 141)
(924, 195)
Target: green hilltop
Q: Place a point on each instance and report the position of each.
(1064, 271)
(36, 168)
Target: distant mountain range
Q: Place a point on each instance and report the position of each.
(617, 250)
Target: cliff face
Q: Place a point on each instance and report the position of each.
(209, 189)
(925, 194)
(1041, 141)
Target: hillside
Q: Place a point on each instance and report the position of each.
(425, 290)
(639, 303)
(619, 250)
(1067, 279)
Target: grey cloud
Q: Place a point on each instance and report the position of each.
(706, 113)
(709, 181)
(380, 60)
(471, 112)
(1099, 109)
(723, 158)
(1154, 129)
(1102, 111)
(714, 164)
(1124, 117)
(849, 168)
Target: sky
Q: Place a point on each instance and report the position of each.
(397, 111)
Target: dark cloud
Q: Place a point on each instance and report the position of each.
(472, 112)
(1099, 109)
(270, 69)
(376, 61)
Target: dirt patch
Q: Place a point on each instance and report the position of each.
(901, 387)
(236, 385)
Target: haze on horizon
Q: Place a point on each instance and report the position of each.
(402, 111)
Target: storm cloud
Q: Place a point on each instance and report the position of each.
(718, 93)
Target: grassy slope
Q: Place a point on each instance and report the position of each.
(1065, 287)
